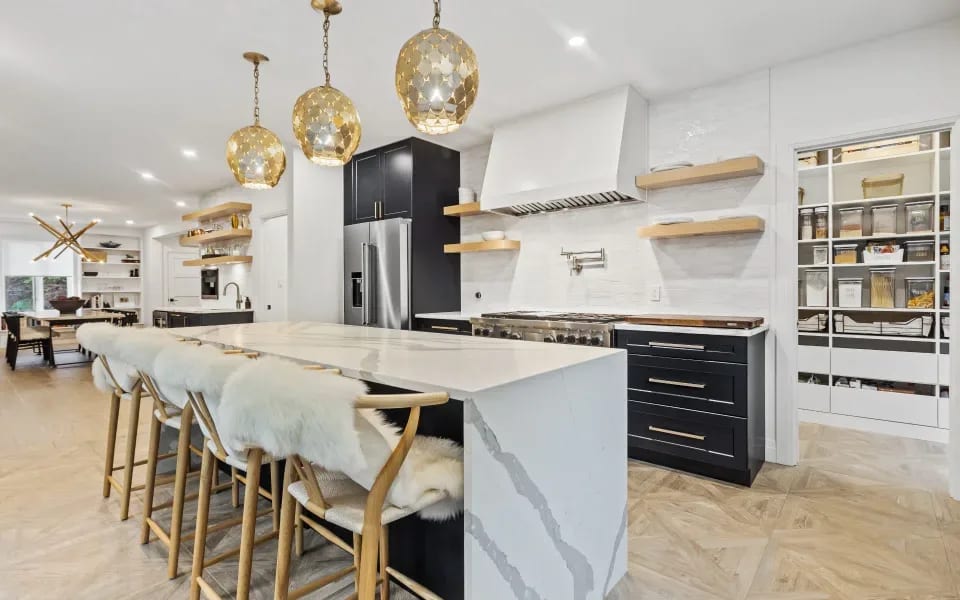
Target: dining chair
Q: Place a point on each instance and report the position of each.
(202, 371)
(20, 335)
(346, 465)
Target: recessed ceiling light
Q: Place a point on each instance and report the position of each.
(188, 152)
(147, 175)
(97, 220)
(181, 203)
(130, 222)
(576, 41)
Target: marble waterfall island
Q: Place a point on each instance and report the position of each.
(544, 428)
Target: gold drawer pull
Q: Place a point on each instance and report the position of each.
(685, 384)
(673, 346)
(444, 328)
(691, 436)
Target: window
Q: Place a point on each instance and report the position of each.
(33, 292)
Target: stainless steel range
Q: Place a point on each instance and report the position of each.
(584, 329)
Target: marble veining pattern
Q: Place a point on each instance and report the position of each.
(413, 360)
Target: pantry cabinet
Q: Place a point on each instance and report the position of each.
(874, 284)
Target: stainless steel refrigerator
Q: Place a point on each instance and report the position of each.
(376, 257)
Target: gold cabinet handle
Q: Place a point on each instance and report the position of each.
(686, 384)
(444, 328)
(682, 434)
(673, 346)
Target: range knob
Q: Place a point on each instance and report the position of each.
(548, 338)
(504, 333)
(514, 336)
(571, 339)
(486, 332)
(596, 340)
(583, 339)
(478, 331)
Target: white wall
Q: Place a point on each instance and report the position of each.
(316, 243)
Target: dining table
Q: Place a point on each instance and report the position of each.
(54, 318)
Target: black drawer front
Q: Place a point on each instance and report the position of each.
(684, 345)
(450, 326)
(692, 384)
(706, 438)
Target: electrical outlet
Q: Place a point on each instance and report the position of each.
(654, 293)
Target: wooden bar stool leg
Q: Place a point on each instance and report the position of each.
(298, 533)
(384, 555)
(287, 516)
(369, 546)
(150, 485)
(356, 562)
(179, 490)
(275, 493)
(234, 488)
(133, 424)
(248, 533)
(111, 442)
(203, 512)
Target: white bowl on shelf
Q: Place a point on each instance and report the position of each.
(467, 195)
(489, 236)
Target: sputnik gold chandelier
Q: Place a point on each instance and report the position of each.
(437, 78)
(254, 153)
(66, 239)
(325, 121)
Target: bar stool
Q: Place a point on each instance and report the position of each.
(203, 371)
(111, 374)
(345, 464)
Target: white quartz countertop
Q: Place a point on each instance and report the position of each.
(413, 360)
(198, 310)
(452, 316)
(697, 330)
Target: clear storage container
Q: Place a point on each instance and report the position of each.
(821, 218)
(821, 255)
(845, 254)
(920, 292)
(919, 217)
(850, 292)
(945, 256)
(884, 219)
(817, 287)
(851, 222)
(920, 251)
(882, 285)
(806, 224)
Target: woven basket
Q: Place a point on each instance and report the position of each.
(883, 186)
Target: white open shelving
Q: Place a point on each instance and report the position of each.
(113, 282)
(922, 362)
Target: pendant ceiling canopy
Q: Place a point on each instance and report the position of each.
(325, 120)
(255, 154)
(437, 78)
(67, 239)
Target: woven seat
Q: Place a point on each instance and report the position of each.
(29, 334)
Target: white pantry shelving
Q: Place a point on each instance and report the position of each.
(113, 282)
(917, 366)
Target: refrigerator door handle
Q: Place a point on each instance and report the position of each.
(369, 257)
(364, 276)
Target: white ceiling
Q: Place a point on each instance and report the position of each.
(95, 91)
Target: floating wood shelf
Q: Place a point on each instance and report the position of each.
(216, 236)
(481, 246)
(219, 260)
(221, 210)
(745, 166)
(462, 210)
(717, 227)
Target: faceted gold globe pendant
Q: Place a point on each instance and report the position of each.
(437, 80)
(255, 154)
(327, 125)
(256, 157)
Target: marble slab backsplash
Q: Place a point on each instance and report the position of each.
(713, 275)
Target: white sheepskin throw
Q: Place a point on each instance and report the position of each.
(101, 339)
(140, 347)
(97, 337)
(197, 368)
(285, 409)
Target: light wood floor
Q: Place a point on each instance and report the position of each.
(862, 517)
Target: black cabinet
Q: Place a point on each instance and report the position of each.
(449, 326)
(170, 319)
(397, 164)
(696, 402)
(367, 184)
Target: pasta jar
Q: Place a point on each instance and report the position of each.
(882, 283)
(920, 292)
(821, 215)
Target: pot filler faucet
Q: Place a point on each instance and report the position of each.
(234, 284)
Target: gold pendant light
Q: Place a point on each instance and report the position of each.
(67, 239)
(325, 121)
(437, 78)
(255, 154)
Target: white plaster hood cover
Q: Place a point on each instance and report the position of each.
(585, 153)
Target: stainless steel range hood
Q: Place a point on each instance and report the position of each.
(586, 153)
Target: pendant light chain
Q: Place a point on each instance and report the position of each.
(436, 14)
(256, 92)
(326, 45)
